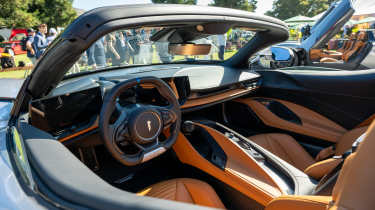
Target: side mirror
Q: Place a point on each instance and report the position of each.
(282, 54)
(273, 58)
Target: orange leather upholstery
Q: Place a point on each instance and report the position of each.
(312, 124)
(185, 190)
(319, 169)
(317, 55)
(241, 172)
(359, 44)
(288, 149)
(354, 45)
(325, 153)
(299, 202)
(285, 147)
(355, 185)
(353, 189)
(348, 44)
(348, 139)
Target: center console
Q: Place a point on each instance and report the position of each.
(240, 163)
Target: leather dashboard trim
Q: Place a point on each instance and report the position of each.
(313, 124)
(218, 97)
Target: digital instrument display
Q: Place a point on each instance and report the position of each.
(65, 112)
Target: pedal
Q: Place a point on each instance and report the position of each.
(125, 179)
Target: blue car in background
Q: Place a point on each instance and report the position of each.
(355, 52)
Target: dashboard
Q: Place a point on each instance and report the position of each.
(72, 109)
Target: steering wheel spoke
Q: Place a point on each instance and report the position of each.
(168, 115)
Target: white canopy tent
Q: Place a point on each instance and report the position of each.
(364, 7)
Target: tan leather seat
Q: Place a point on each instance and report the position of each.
(288, 149)
(285, 147)
(354, 47)
(353, 189)
(185, 190)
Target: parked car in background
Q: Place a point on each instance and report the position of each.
(14, 42)
(355, 52)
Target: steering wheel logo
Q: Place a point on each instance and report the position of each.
(149, 125)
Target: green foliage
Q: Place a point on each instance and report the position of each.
(284, 9)
(174, 1)
(53, 12)
(247, 5)
(13, 14)
(30, 13)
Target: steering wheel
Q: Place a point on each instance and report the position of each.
(139, 125)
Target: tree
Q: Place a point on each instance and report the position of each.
(284, 9)
(30, 13)
(175, 1)
(13, 14)
(247, 5)
(53, 12)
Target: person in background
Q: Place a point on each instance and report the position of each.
(120, 46)
(112, 53)
(135, 42)
(162, 49)
(52, 35)
(306, 32)
(355, 29)
(29, 45)
(96, 54)
(40, 42)
(128, 48)
(146, 50)
(372, 33)
(222, 42)
(345, 32)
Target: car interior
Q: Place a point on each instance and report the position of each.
(214, 134)
(350, 51)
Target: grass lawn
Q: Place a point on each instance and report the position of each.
(18, 73)
(23, 58)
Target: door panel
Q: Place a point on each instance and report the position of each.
(344, 97)
(294, 118)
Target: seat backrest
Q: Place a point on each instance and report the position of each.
(355, 185)
(349, 43)
(347, 140)
(357, 46)
(353, 39)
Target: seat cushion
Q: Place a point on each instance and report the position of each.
(185, 190)
(286, 148)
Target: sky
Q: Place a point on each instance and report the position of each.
(263, 5)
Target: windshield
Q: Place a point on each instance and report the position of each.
(133, 47)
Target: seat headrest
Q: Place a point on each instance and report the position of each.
(362, 36)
